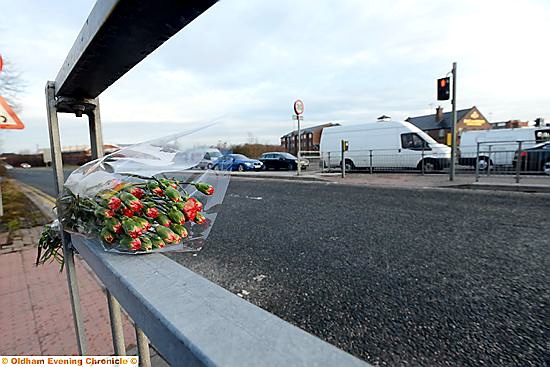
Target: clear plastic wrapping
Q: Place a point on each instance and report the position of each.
(147, 197)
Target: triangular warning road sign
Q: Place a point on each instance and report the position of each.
(8, 118)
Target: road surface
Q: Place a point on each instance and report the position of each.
(394, 276)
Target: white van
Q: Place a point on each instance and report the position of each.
(499, 144)
(383, 144)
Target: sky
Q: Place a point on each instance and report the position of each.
(243, 63)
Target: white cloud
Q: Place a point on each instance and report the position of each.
(348, 60)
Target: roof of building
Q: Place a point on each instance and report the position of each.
(310, 129)
(428, 122)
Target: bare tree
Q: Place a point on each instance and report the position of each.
(11, 85)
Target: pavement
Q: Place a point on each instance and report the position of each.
(35, 313)
(499, 182)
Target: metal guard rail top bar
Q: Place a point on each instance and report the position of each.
(194, 322)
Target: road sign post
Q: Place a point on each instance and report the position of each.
(299, 109)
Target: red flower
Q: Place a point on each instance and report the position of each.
(128, 212)
(113, 225)
(174, 186)
(135, 205)
(157, 191)
(114, 203)
(136, 244)
(190, 209)
(152, 212)
(205, 188)
(167, 235)
(200, 219)
(131, 201)
(137, 192)
(198, 205)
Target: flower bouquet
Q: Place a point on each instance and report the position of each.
(145, 198)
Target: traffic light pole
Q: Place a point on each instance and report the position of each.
(453, 129)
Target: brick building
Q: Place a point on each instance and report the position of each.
(310, 138)
(438, 125)
(509, 124)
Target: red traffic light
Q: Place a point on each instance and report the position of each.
(443, 90)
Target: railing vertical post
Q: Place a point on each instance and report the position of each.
(68, 253)
(370, 161)
(143, 348)
(117, 333)
(489, 161)
(115, 315)
(422, 160)
(343, 160)
(96, 136)
(519, 162)
(477, 162)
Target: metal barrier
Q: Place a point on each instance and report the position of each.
(385, 160)
(517, 158)
(512, 158)
(189, 320)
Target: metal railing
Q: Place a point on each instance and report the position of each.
(517, 158)
(385, 160)
(488, 159)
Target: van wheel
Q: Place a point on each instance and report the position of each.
(349, 165)
(429, 166)
(209, 166)
(484, 163)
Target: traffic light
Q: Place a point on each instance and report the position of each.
(443, 89)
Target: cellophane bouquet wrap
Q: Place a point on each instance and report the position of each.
(144, 198)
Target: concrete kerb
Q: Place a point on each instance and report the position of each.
(44, 202)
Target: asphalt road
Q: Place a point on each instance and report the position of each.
(394, 276)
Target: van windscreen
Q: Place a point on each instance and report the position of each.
(542, 135)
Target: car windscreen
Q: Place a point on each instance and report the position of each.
(215, 154)
(238, 156)
(287, 155)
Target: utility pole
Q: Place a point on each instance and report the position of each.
(453, 128)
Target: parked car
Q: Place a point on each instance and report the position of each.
(210, 158)
(282, 160)
(536, 159)
(25, 165)
(383, 144)
(237, 162)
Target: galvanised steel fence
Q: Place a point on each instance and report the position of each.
(518, 158)
(385, 160)
(513, 158)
